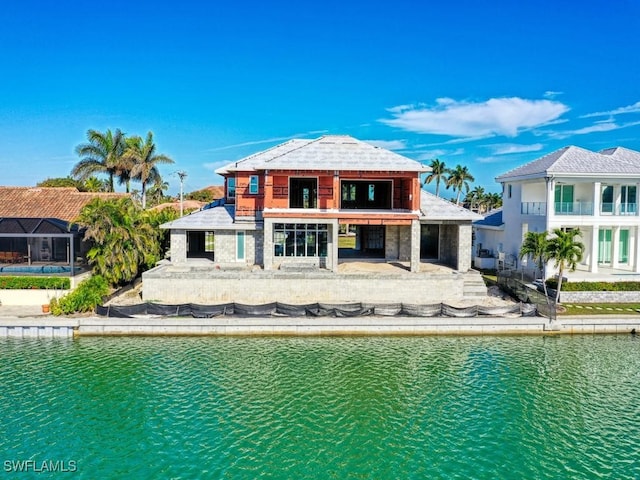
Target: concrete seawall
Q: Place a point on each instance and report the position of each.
(52, 327)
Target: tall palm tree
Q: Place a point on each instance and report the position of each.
(101, 154)
(438, 170)
(494, 200)
(459, 178)
(565, 251)
(477, 197)
(144, 159)
(536, 246)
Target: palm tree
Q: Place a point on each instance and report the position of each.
(156, 191)
(123, 241)
(101, 154)
(459, 178)
(438, 170)
(494, 200)
(144, 160)
(536, 246)
(94, 184)
(565, 251)
(476, 196)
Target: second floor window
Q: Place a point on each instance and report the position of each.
(231, 187)
(253, 184)
(303, 192)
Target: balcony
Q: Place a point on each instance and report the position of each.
(626, 209)
(573, 208)
(533, 208)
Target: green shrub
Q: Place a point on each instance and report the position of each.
(21, 283)
(84, 298)
(595, 286)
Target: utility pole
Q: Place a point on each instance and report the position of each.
(182, 174)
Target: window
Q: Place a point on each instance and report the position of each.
(563, 198)
(509, 191)
(628, 200)
(300, 240)
(253, 184)
(607, 199)
(303, 193)
(240, 244)
(623, 246)
(231, 187)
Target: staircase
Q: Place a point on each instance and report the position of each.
(474, 287)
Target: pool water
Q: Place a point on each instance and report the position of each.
(36, 269)
(342, 408)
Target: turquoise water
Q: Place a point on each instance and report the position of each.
(334, 408)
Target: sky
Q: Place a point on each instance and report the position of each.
(487, 85)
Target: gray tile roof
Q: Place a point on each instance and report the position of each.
(578, 161)
(491, 219)
(330, 152)
(436, 208)
(219, 218)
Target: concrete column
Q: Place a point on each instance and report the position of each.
(332, 248)
(615, 244)
(636, 251)
(596, 199)
(551, 206)
(464, 248)
(593, 264)
(415, 246)
(178, 246)
(267, 244)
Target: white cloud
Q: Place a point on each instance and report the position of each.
(509, 148)
(266, 140)
(551, 94)
(388, 144)
(496, 116)
(489, 160)
(635, 108)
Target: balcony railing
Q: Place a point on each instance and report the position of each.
(579, 208)
(573, 208)
(533, 208)
(619, 209)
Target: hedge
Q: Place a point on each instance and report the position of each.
(596, 286)
(23, 283)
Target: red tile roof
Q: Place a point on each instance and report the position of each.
(46, 202)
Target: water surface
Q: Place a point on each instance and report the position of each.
(361, 408)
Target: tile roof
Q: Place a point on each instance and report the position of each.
(330, 152)
(220, 217)
(46, 202)
(573, 160)
(436, 208)
(491, 219)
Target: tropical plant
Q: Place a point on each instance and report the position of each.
(493, 200)
(102, 154)
(61, 182)
(155, 194)
(94, 184)
(438, 170)
(123, 242)
(536, 246)
(476, 198)
(84, 298)
(143, 160)
(565, 251)
(459, 178)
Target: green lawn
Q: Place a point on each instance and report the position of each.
(600, 309)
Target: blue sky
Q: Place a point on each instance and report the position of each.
(489, 85)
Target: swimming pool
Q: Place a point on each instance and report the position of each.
(37, 269)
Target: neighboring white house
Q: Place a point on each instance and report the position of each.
(574, 188)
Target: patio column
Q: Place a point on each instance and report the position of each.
(596, 198)
(178, 246)
(615, 253)
(415, 246)
(593, 264)
(267, 244)
(636, 251)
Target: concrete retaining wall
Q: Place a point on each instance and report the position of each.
(170, 285)
(600, 297)
(29, 297)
